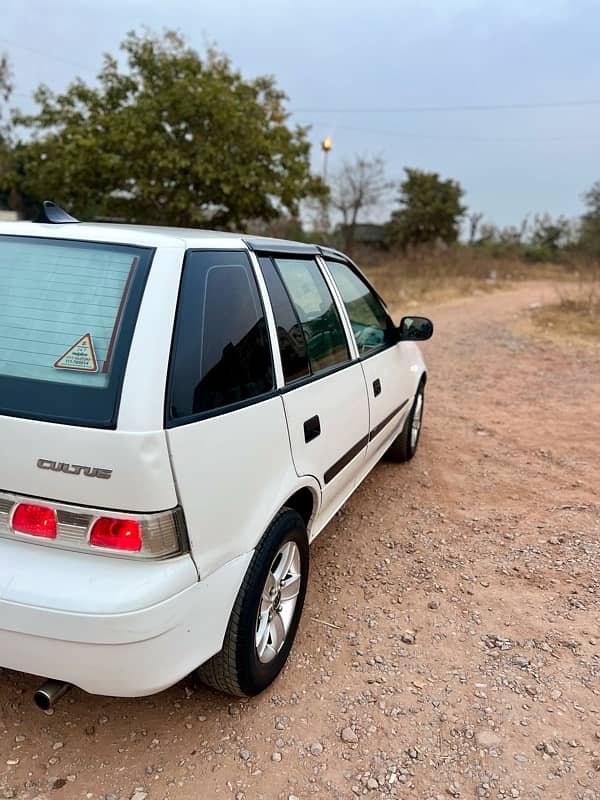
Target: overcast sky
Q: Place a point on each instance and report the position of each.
(380, 54)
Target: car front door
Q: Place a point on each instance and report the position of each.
(384, 360)
(324, 393)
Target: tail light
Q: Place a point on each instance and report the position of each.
(34, 520)
(118, 534)
(141, 536)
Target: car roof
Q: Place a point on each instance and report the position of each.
(150, 236)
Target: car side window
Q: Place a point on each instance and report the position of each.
(319, 318)
(221, 351)
(370, 322)
(292, 344)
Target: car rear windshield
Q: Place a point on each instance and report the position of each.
(67, 314)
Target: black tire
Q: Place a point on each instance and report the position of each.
(237, 669)
(403, 448)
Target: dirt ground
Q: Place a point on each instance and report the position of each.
(450, 645)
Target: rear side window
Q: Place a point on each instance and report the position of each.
(292, 344)
(221, 356)
(319, 318)
(67, 313)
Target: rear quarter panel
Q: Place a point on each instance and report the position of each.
(233, 471)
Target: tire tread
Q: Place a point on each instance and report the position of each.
(221, 671)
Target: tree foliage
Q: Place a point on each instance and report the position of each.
(176, 139)
(430, 210)
(358, 186)
(5, 79)
(589, 240)
(5, 146)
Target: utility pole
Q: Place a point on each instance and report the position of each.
(326, 146)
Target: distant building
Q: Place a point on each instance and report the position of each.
(368, 234)
(8, 216)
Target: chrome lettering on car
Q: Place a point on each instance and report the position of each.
(74, 469)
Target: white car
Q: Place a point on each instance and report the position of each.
(181, 414)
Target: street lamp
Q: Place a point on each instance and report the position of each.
(326, 146)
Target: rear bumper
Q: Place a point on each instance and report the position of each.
(128, 654)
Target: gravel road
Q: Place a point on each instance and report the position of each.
(450, 646)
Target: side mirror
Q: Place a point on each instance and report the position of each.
(415, 329)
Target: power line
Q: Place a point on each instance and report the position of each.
(424, 109)
(466, 138)
(10, 43)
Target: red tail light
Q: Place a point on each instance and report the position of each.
(118, 534)
(34, 520)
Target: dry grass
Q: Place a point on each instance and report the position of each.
(435, 276)
(576, 314)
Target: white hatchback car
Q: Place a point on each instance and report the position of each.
(181, 413)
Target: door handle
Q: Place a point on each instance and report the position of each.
(312, 428)
(376, 387)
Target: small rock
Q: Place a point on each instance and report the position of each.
(520, 661)
(433, 604)
(348, 735)
(316, 748)
(372, 784)
(137, 795)
(57, 746)
(276, 757)
(245, 755)
(408, 637)
(549, 749)
(555, 694)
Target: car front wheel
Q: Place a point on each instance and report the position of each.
(405, 444)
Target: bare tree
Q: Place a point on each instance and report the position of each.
(474, 220)
(358, 185)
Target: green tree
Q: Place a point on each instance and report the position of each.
(5, 144)
(5, 80)
(589, 239)
(175, 139)
(430, 210)
(549, 237)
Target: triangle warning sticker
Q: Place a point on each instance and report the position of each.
(80, 356)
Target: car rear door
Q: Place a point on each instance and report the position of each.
(385, 361)
(324, 392)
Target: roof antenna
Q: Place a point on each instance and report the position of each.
(54, 214)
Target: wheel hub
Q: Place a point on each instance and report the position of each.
(278, 602)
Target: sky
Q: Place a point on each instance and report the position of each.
(384, 77)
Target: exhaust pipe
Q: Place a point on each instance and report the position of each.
(50, 693)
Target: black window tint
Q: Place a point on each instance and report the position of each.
(316, 310)
(371, 324)
(222, 354)
(292, 344)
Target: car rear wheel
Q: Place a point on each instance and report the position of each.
(266, 613)
(405, 444)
